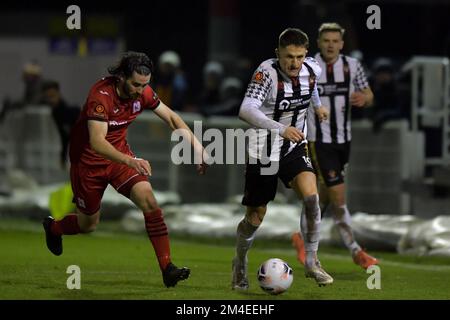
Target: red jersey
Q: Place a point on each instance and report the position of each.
(104, 104)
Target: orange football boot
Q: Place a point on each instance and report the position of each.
(364, 260)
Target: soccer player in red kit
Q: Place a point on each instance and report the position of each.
(100, 155)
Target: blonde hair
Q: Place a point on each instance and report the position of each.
(331, 26)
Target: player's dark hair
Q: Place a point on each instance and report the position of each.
(50, 84)
(132, 61)
(293, 36)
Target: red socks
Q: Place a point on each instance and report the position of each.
(68, 225)
(154, 223)
(159, 236)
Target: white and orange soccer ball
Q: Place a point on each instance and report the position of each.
(275, 276)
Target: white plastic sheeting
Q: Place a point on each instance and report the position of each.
(427, 238)
(403, 233)
(221, 220)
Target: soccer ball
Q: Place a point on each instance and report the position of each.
(275, 276)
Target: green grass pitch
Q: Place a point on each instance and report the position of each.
(116, 265)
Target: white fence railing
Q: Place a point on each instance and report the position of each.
(431, 101)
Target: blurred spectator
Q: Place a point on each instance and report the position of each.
(230, 98)
(384, 85)
(213, 73)
(64, 115)
(32, 79)
(170, 82)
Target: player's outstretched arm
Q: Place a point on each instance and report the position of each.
(97, 139)
(175, 122)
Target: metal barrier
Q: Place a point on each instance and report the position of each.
(431, 100)
(29, 141)
(383, 168)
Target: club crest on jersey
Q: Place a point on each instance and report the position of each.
(100, 108)
(258, 77)
(99, 111)
(136, 106)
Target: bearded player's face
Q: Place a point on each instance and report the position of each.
(135, 85)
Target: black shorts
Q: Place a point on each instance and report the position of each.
(330, 161)
(260, 189)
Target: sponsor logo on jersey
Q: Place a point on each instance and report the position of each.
(292, 104)
(284, 104)
(329, 89)
(114, 123)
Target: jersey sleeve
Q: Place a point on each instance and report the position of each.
(98, 105)
(259, 86)
(151, 99)
(315, 98)
(315, 66)
(257, 92)
(360, 81)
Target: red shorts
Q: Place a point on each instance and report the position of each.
(89, 183)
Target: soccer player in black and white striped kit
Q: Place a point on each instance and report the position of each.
(342, 84)
(276, 103)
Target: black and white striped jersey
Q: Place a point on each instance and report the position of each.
(283, 101)
(336, 83)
